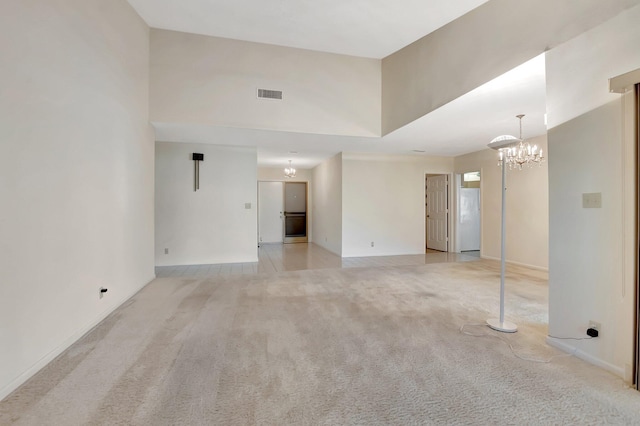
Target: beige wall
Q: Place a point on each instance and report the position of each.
(213, 224)
(326, 222)
(76, 160)
(592, 257)
(527, 209)
(435, 69)
(383, 201)
(213, 81)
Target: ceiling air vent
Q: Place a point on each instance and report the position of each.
(269, 94)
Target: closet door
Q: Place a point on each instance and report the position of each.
(270, 212)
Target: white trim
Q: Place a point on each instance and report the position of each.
(511, 262)
(46, 359)
(565, 347)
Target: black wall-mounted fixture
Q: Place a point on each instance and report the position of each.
(197, 158)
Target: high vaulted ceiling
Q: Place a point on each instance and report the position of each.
(465, 125)
(371, 28)
(368, 28)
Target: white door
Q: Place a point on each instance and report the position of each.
(469, 219)
(270, 208)
(437, 213)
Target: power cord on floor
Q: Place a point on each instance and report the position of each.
(513, 351)
(570, 338)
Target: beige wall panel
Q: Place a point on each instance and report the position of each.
(213, 81)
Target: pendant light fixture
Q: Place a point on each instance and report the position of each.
(522, 153)
(290, 172)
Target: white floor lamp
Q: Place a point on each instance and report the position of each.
(515, 153)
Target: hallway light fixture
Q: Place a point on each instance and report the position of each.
(290, 172)
(515, 153)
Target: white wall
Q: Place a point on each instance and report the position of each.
(434, 70)
(208, 80)
(76, 165)
(383, 201)
(326, 212)
(211, 225)
(591, 269)
(527, 225)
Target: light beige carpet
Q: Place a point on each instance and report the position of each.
(331, 347)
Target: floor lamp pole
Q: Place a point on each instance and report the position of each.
(500, 324)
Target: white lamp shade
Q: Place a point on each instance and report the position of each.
(503, 141)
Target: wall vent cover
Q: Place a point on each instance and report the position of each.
(269, 94)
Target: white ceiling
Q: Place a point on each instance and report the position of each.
(371, 28)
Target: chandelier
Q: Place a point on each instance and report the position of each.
(290, 172)
(517, 153)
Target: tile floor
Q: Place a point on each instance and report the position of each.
(295, 257)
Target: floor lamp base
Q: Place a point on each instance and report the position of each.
(505, 326)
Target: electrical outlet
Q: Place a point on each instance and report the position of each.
(596, 325)
(372, 244)
(166, 251)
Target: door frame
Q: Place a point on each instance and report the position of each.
(309, 218)
(636, 363)
(290, 240)
(456, 209)
(449, 220)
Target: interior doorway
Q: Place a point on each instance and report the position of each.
(295, 212)
(437, 212)
(468, 229)
(282, 212)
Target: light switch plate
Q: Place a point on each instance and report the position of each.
(247, 205)
(592, 200)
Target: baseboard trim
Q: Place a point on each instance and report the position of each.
(46, 359)
(565, 347)
(329, 249)
(511, 262)
(381, 254)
